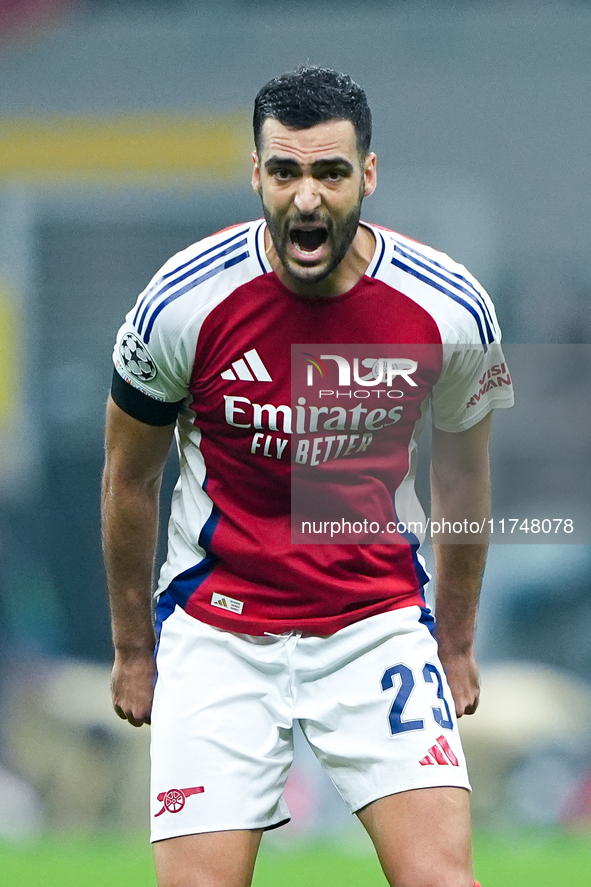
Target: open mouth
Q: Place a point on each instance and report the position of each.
(308, 240)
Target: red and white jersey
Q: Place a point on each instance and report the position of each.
(212, 337)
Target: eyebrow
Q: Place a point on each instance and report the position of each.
(317, 166)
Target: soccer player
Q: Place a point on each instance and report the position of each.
(251, 629)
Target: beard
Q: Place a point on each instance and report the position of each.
(339, 236)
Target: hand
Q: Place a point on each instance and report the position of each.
(132, 687)
(461, 671)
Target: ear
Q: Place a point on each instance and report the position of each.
(370, 174)
(256, 173)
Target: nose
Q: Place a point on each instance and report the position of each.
(307, 197)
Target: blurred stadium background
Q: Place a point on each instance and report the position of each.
(124, 136)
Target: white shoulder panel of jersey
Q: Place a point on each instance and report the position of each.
(155, 347)
(474, 376)
(461, 308)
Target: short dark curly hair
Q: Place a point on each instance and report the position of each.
(311, 95)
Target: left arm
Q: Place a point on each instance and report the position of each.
(460, 491)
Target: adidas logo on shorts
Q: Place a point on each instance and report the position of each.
(440, 753)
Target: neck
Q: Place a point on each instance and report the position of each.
(341, 280)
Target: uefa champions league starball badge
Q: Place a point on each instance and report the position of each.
(136, 358)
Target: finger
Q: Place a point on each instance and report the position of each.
(129, 716)
(468, 709)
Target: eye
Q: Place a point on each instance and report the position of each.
(333, 176)
(283, 174)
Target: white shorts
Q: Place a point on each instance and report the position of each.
(372, 702)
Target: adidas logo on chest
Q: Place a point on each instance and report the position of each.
(249, 368)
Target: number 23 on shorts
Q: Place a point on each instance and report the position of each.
(441, 714)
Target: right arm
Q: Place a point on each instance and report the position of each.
(135, 457)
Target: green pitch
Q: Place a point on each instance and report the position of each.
(532, 859)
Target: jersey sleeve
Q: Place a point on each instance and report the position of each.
(475, 377)
(474, 381)
(152, 371)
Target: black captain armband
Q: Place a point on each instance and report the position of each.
(141, 407)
